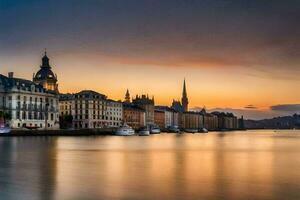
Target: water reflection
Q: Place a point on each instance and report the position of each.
(27, 168)
(240, 165)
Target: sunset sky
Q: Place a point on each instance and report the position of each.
(240, 56)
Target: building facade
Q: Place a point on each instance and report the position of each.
(191, 120)
(169, 115)
(114, 113)
(29, 105)
(160, 119)
(226, 121)
(133, 115)
(88, 109)
(147, 104)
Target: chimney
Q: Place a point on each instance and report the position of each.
(10, 74)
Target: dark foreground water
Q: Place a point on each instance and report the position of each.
(237, 165)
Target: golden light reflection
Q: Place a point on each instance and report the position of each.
(168, 166)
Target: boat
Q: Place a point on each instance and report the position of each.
(4, 128)
(173, 129)
(124, 130)
(203, 130)
(144, 131)
(190, 130)
(154, 129)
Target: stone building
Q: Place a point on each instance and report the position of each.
(133, 115)
(28, 104)
(191, 120)
(88, 109)
(210, 121)
(226, 121)
(91, 109)
(160, 119)
(147, 104)
(114, 113)
(169, 115)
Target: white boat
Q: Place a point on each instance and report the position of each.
(144, 131)
(203, 130)
(154, 129)
(124, 130)
(190, 130)
(173, 129)
(4, 129)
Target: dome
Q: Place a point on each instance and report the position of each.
(45, 76)
(45, 73)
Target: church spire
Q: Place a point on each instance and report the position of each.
(127, 97)
(184, 89)
(184, 99)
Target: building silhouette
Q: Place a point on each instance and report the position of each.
(184, 99)
(127, 97)
(182, 106)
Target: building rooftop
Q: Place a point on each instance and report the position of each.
(9, 83)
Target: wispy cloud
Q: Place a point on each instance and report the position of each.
(286, 107)
(250, 106)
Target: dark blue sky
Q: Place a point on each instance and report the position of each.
(203, 29)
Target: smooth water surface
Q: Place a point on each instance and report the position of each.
(234, 165)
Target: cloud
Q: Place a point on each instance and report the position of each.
(250, 107)
(257, 114)
(286, 107)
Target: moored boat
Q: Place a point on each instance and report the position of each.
(144, 131)
(190, 130)
(203, 130)
(173, 129)
(4, 128)
(154, 129)
(124, 130)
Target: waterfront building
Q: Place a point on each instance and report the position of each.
(114, 113)
(45, 76)
(226, 121)
(28, 104)
(133, 115)
(210, 121)
(88, 109)
(147, 104)
(159, 118)
(241, 124)
(191, 120)
(165, 117)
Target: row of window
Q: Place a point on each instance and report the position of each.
(96, 124)
(33, 116)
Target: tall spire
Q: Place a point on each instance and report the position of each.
(184, 99)
(127, 97)
(184, 89)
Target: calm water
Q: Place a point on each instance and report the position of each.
(237, 165)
